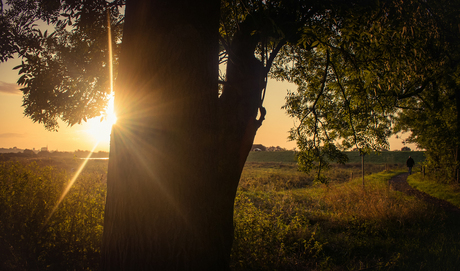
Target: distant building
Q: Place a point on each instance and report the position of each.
(258, 147)
(28, 152)
(277, 148)
(405, 149)
(44, 148)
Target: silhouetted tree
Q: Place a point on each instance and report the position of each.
(184, 132)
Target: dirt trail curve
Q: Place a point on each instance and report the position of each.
(399, 183)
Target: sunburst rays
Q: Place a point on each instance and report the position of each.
(110, 120)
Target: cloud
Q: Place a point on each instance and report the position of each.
(9, 88)
(11, 135)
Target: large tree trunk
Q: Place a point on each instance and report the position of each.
(162, 208)
(177, 150)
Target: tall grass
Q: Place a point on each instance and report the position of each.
(70, 239)
(342, 226)
(283, 220)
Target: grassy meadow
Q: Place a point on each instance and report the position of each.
(387, 157)
(283, 220)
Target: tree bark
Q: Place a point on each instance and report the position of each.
(162, 209)
(178, 149)
(457, 136)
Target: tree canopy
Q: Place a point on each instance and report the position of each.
(357, 64)
(357, 74)
(63, 46)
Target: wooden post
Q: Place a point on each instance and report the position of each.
(362, 165)
(456, 162)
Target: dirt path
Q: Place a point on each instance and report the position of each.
(399, 183)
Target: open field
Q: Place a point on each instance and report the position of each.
(389, 157)
(283, 220)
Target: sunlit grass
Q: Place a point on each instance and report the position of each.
(71, 238)
(69, 185)
(342, 226)
(284, 223)
(373, 201)
(449, 192)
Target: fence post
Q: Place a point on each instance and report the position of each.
(362, 161)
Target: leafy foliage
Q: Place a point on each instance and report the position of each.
(64, 74)
(357, 69)
(433, 115)
(432, 120)
(357, 64)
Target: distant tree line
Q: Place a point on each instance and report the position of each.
(40, 154)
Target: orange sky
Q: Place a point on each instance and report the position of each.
(19, 131)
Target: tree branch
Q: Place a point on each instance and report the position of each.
(273, 54)
(347, 104)
(323, 86)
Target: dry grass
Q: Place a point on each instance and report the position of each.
(374, 201)
(341, 226)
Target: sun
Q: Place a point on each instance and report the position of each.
(100, 128)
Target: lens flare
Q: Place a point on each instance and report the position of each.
(110, 120)
(69, 185)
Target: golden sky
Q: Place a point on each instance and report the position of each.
(16, 130)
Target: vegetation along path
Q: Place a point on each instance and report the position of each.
(399, 183)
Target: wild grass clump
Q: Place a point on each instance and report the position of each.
(33, 239)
